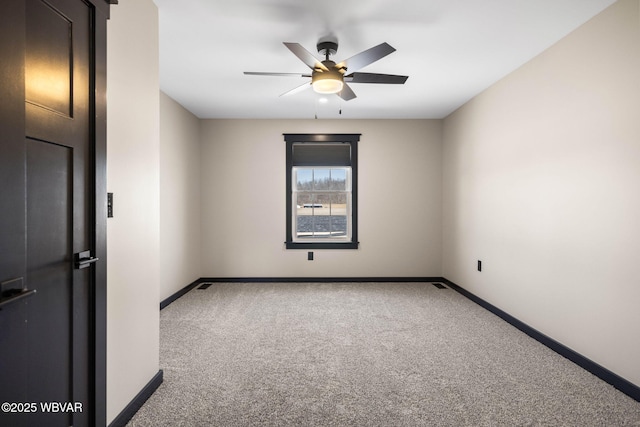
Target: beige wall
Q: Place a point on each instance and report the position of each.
(179, 197)
(537, 177)
(541, 183)
(133, 176)
(243, 200)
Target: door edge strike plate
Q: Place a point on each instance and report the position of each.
(84, 259)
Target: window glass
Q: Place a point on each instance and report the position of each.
(338, 179)
(304, 179)
(321, 179)
(321, 198)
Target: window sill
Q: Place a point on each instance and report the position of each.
(322, 245)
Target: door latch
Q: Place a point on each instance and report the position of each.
(84, 259)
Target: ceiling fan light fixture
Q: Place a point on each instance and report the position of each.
(327, 77)
(326, 83)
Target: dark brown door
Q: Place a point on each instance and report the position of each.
(48, 358)
(57, 83)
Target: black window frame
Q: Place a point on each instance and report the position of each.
(311, 138)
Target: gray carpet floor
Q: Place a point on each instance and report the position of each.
(362, 354)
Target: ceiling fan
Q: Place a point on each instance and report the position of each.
(330, 77)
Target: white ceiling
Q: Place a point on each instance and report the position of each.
(450, 49)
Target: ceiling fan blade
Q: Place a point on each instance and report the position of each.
(346, 93)
(366, 57)
(375, 78)
(305, 56)
(260, 73)
(298, 89)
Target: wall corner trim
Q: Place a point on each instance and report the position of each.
(165, 302)
(130, 410)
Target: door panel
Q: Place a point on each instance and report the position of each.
(49, 272)
(57, 88)
(49, 64)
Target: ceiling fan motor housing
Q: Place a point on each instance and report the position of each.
(327, 48)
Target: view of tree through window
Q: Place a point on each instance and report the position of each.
(321, 196)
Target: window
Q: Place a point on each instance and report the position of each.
(322, 191)
(321, 197)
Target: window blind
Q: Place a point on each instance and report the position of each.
(314, 154)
